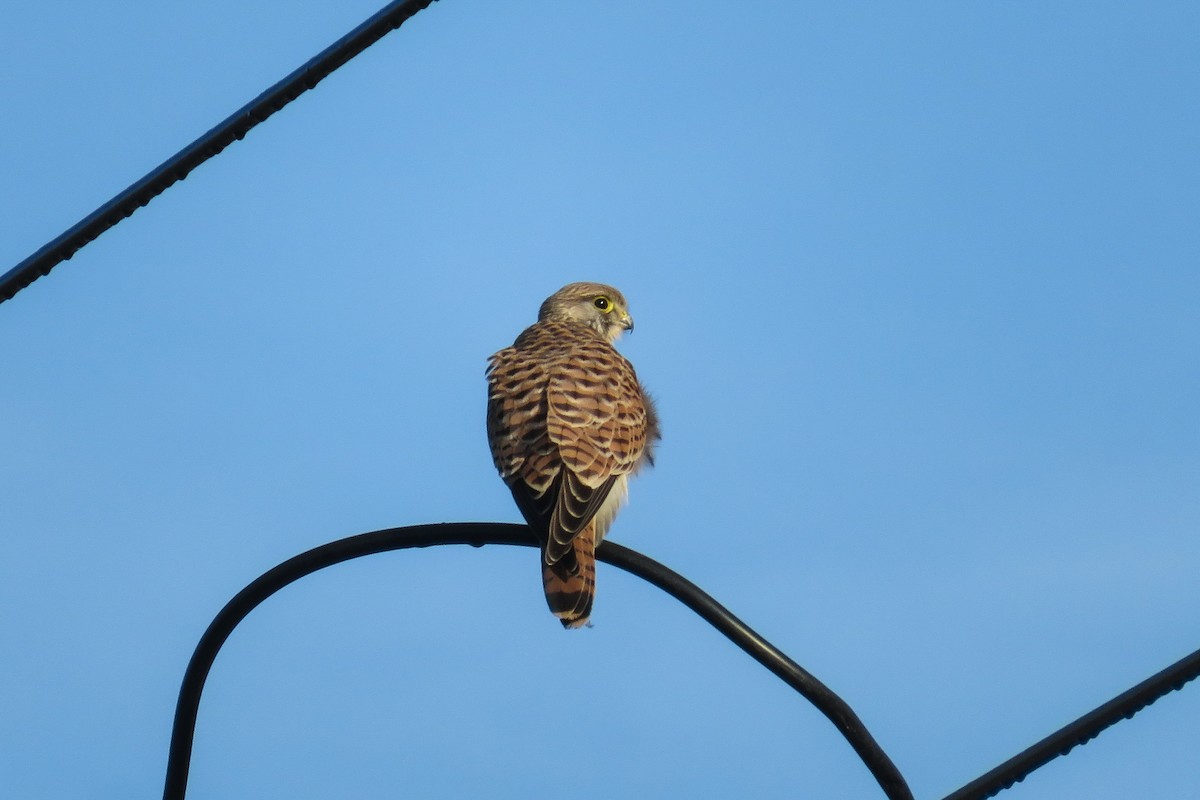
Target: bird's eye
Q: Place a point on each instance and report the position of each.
(602, 303)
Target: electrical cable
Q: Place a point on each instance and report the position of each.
(1081, 731)
(234, 127)
(478, 534)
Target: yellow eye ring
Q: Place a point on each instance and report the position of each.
(604, 304)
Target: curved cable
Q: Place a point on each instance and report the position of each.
(478, 534)
(237, 125)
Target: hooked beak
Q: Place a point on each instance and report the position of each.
(627, 322)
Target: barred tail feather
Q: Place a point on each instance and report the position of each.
(570, 584)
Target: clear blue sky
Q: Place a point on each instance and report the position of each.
(916, 286)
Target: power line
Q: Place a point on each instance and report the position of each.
(237, 125)
(1082, 730)
(478, 534)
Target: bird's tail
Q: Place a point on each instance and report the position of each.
(570, 583)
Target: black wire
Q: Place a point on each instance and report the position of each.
(478, 534)
(177, 167)
(1082, 730)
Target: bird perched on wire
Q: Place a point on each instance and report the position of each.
(568, 423)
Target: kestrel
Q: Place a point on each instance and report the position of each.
(568, 423)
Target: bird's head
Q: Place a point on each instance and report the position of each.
(602, 308)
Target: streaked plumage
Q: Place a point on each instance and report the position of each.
(568, 423)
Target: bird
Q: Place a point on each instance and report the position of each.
(568, 423)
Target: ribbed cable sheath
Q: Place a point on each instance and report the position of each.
(1081, 731)
(177, 167)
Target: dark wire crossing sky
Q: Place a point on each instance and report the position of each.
(915, 290)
